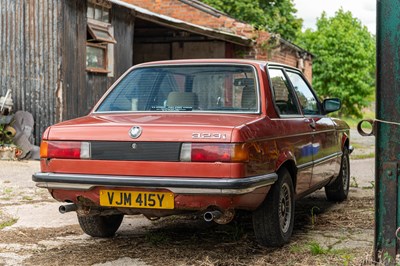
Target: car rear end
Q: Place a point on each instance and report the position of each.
(166, 139)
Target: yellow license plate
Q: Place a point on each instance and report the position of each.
(137, 199)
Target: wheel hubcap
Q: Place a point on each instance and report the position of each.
(285, 208)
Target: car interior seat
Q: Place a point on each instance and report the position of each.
(183, 99)
(249, 98)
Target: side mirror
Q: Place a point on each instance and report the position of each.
(332, 105)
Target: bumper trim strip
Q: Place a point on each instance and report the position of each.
(175, 184)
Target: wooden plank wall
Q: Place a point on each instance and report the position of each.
(74, 62)
(82, 89)
(30, 57)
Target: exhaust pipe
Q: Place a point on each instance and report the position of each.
(212, 215)
(67, 208)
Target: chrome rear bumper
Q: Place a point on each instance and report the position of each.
(232, 186)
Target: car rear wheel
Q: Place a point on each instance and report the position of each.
(338, 190)
(273, 220)
(100, 226)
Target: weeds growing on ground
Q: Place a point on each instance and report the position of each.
(8, 223)
(353, 182)
(371, 186)
(363, 156)
(156, 238)
(27, 198)
(313, 216)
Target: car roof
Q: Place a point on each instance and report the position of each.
(215, 61)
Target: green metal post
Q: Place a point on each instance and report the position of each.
(387, 131)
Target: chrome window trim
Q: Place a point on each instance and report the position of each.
(258, 111)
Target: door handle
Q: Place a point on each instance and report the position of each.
(312, 123)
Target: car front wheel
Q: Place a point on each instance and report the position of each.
(100, 226)
(273, 220)
(339, 189)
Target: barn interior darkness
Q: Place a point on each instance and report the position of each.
(154, 41)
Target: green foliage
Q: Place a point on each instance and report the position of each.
(353, 182)
(7, 223)
(157, 238)
(316, 249)
(271, 15)
(344, 63)
(362, 156)
(313, 216)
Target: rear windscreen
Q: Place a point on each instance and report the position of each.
(205, 88)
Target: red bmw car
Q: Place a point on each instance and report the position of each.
(199, 136)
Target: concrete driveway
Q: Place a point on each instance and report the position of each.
(24, 207)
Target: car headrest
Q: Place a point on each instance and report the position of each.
(186, 99)
(249, 98)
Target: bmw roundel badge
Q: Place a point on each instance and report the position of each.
(135, 132)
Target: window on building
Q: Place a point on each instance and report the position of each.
(100, 38)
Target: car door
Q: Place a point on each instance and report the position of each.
(295, 131)
(325, 142)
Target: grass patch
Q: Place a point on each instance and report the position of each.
(27, 198)
(358, 146)
(7, 223)
(297, 248)
(316, 249)
(353, 122)
(353, 182)
(363, 156)
(372, 186)
(7, 193)
(7, 190)
(157, 238)
(6, 198)
(347, 259)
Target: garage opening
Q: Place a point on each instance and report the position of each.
(153, 41)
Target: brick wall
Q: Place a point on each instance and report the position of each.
(262, 49)
(185, 12)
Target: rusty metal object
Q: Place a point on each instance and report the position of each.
(387, 132)
(10, 132)
(362, 131)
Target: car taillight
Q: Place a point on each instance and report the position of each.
(214, 152)
(65, 149)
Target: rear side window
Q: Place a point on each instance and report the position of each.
(194, 88)
(283, 97)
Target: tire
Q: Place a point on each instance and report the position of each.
(338, 190)
(273, 220)
(100, 226)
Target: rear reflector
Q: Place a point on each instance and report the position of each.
(214, 152)
(65, 149)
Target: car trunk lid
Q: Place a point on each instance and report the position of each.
(155, 127)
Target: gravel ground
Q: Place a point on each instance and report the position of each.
(33, 232)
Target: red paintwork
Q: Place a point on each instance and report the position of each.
(132, 168)
(182, 202)
(156, 126)
(272, 142)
